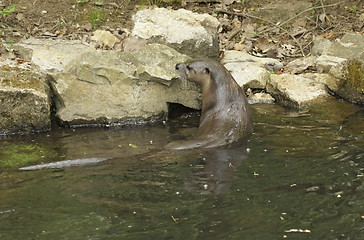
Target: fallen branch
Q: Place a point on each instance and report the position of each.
(279, 25)
(308, 9)
(267, 21)
(323, 7)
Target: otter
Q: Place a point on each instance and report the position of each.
(225, 114)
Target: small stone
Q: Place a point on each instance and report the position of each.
(104, 38)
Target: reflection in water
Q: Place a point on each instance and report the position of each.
(214, 171)
(304, 170)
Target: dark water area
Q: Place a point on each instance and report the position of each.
(299, 176)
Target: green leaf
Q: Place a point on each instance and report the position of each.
(132, 145)
(99, 3)
(8, 10)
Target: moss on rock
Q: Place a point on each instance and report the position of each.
(355, 76)
(24, 101)
(14, 155)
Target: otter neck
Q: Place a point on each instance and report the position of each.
(212, 102)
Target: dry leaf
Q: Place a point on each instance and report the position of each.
(20, 16)
(87, 26)
(228, 2)
(301, 22)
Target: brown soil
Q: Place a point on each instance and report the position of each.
(77, 19)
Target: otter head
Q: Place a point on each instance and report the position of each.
(196, 71)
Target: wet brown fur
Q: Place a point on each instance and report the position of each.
(225, 116)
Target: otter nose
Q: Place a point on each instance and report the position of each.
(177, 66)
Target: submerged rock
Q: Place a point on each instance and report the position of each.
(18, 153)
(189, 33)
(260, 97)
(65, 163)
(24, 101)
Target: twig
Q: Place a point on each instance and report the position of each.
(233, 33)
(242, 15)
(276, 25)
(270, 22)
(115, 5)
(308, 9)
(323, 7)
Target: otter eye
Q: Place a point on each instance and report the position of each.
(189, 67)
(207, 71)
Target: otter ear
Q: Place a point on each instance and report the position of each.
(207, 71)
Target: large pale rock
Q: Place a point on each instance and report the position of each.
(107, 87)
(323, 78)
(189, 33)
(344, 59)
(302, 64)
(249, 71)
(295, 90)
(335, 54)
(350, 46)
(51, 55)
(24, 101)
(320, 46)
(325, 63)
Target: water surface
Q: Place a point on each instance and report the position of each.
(299, 176)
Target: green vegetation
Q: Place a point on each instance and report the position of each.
(14, 155)
(315, 4)
(8, 10)
(158, 3)
(10, 42)
(20, 78)
(61, 23)
(95, 17)
(155, 2)
(353, 9)
(93, 13)
(99, 3)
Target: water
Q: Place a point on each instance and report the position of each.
(300, 176)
